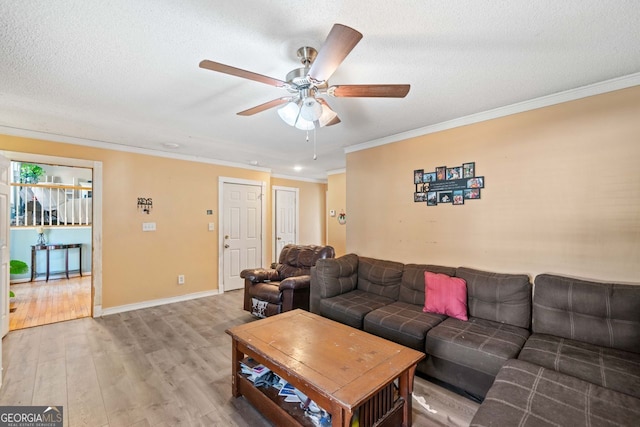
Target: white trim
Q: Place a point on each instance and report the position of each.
(65, 139)
(337, 171)
(156, 302)
(298, 178)
(532, 104)
(263, 191)
(96, 221)
(274, 239)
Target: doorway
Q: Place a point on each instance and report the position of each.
(285, 218)
(242, 228)
(90, 283)
(51, 222)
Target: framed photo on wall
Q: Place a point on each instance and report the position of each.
(429, 177)
(432, 198)
(472, 193)
(417, 176)
(469, 170)
(441, 173)
(444, 197)
(475, 182)
(458, 197)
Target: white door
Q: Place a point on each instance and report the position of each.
(285, 218)
(5, 167)
(242, 231)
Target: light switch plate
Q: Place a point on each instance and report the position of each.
(212, 226)
(148, 226)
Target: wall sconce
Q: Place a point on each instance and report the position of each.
(145, 204)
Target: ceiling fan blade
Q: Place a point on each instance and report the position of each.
(370, 91)
(340, 41)
(227, 69)
(265, 106)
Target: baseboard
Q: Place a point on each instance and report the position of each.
(152, 303)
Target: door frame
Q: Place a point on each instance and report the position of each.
(263, 191)
(96, 222)
(274, 215)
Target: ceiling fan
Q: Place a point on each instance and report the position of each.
(304, 108)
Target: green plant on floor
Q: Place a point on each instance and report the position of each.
(30, 173)
(17, 267)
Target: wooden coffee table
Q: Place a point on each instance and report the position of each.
(341, 368)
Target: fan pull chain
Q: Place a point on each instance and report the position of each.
(315, 157)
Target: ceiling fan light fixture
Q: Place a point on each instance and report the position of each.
(289, 113)
(327, 115)
(311, 109)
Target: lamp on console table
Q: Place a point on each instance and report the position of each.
(41, 239)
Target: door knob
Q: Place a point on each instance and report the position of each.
(226, 246)
(279, 238)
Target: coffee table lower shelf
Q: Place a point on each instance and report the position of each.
(272, 406)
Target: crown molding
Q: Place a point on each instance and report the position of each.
(94, 143)
(336, 171)
(299, 178)
(520, 107)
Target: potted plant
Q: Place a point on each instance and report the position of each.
(17, 267)
(30, 173)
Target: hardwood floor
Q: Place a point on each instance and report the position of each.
(163, 366)
(40, 303)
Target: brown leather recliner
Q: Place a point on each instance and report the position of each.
(284, 286)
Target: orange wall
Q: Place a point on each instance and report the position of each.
(562, 193)
(312, 206)
(141, 266)
(337, 201)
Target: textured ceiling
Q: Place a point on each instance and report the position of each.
(126, 72)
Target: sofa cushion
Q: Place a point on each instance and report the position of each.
(412, 284)
(503, 298)
(403, 323)
(525, 395)
(604, 366)
(380, 277)
(336, 276)
(604, 314)
(445, 295)
(478, 343)
(350, 308)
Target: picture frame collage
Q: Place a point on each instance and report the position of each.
(451, 185)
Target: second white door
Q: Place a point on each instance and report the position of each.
(285, 218)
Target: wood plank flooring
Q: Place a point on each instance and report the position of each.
(40, 303)
(163, 366)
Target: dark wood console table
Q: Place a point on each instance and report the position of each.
(52, 247)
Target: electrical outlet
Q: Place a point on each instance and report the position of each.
(181, 279)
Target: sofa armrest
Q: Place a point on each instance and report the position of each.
(297, 282)
(331, 277)
(257, 275)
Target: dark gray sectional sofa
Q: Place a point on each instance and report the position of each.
(581, 364)
(569, 354)
(386, 298)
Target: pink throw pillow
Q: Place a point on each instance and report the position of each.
(445, 295)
